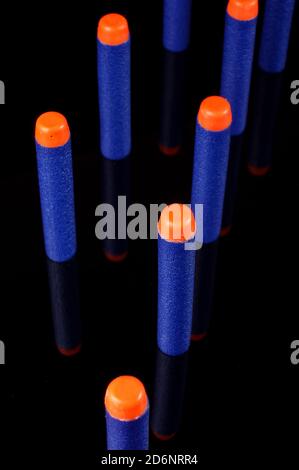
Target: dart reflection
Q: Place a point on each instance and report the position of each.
(64, 293)
(169, 391)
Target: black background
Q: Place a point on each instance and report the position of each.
(241, 388)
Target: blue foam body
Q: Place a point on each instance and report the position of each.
(127, 435)
(175, 296)
(238, 50)
(275, 35)
(114, 100)
(210, 164)
(176, 24)
(55, 175)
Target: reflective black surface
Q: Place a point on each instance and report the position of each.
(241, 388)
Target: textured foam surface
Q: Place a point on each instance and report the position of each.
(175, 296)
(114, 100)
(210, 164)
(275, 35)
(55, 174)
(127, 435)
(238, 50)
(176, 24)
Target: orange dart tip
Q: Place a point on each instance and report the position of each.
(113, 30)
(243, 10)
(126, 398)
(215, 114)
(177, 223)
(52, 130)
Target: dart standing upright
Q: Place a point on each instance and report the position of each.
(114, 85)
(55, 175)
(238, 51)
(211, 153)
(127, 414)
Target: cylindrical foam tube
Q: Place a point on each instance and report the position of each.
(55, 175)
(64, 292)
(176, 24)
(238, 52)
(239, 40)
(275, 35)
(127, 414)
(114, 86)
(211, 154)
(115, 117)
(176, 266)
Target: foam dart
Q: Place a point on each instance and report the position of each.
(114, 87)
(239, 40)
(176, 24)
(275, 36)
(272, 59)
(238, 51)
(55, 176)
(127, 414)
(176, 228)
(211, 153)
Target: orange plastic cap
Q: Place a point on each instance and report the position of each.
(113, 30)
(177, 223)
(215, 114)
(126, 398)
(52, 130)
(243, 10)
